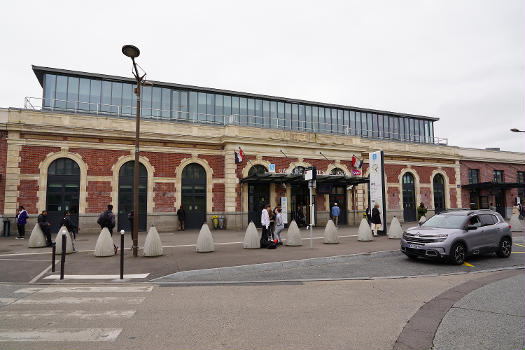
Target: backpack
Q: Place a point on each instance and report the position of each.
(104, 220)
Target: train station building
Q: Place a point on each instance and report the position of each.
(228, 153)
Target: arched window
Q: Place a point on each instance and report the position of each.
(409, 198)
(125, 196)
(257, 170)
(63, 190)
(193, 199)
(337, 171)
(439, 193)
(298, 170)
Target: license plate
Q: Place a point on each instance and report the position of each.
(416, 246)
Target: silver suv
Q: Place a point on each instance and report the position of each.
(453, 235)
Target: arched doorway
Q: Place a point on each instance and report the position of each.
(439, 193)
(409, 198)
(300, 194)
(125, 196)
(194, 195)
(258, 195)
(63, 189)
(338, 195)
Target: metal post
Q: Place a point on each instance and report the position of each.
(136, 167)
(310, 185)
(54, 245)
(63, 257)
(122, 254)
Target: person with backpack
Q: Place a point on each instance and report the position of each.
(21, 221)
(107, 219)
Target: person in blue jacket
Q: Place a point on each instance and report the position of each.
(21, 221)
(335, 214)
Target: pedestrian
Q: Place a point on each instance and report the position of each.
(335, 214)
(376, 219)
(181, 215)
(279, 225)
(520, 205)
(367, 215)
(45, 226)
(421, 211)
(271, 230)
(131, 216)
(21, 221)
(492, 207)
(265, 222)
(301, 221)
(70, 226)
(107, 219)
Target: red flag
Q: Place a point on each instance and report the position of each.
(354, 159)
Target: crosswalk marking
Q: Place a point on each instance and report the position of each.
(80, 300)
(80, 314)
(97, 277)
(81, 289)
(59, 335)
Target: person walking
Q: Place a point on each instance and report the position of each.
(265, 222)
(335, 214)
(45, 226)
(376, 219)
(181, 214)
(70, 226)
(107, 219)
(421, 211)
(21, 221)
(279, 225)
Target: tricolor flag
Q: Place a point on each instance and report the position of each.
(239, 156)
(356, 163)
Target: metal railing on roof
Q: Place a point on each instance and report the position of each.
(148, 113)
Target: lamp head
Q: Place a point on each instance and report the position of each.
(130, 51)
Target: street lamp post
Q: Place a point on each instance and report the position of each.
(133, 52)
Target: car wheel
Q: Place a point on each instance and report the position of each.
(505, 248)
(457, 254)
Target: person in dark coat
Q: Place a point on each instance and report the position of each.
(181, 215)
(68, 223)
(376, 219)
(300, 219)
(45, 226)
(21, 220)
(421, 211)
(107, 219)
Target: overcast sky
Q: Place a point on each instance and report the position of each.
(461, 61)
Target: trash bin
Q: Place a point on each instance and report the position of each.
(7, 227)
(222, 223)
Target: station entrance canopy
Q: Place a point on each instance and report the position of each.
(334, 180)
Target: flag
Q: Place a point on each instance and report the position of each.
(238, 157)
(359, 164)
(354, 160)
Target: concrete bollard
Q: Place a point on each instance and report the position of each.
(37, 238)
(365, 233)
(152, 245)
(251, 237)
(515, 223)
(58, 240)
(330, 233)
(104, 245)
(395, 231)
(205, 240)
(422, 219)
(293, 235)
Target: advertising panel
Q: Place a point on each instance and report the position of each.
(377, 186)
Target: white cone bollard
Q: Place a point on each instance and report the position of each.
(205, 240)
(395, 231)
(330, 233)
(37, 238)
(58, 240)
(251, 237)
(422, 219)
(365, 233)
(515, 223)
(104, 245)
(152, 245)
(293, 235)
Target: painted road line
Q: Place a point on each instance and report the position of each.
(97, 277)
(80, 289)
(39, 276)
(5, 301)
(57, 314)
(518, 252)
(80, 300)
(467, 264)
(59, 335)
(520, 245)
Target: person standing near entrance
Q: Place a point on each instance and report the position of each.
(45, 226)
(107, 219)
(181, 215)
(421, 211)
(21, 220)
(300, 219)
(265, 222)
(335, 214)
(279, 225)
(376, 219)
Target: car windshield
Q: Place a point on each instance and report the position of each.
(445, 221)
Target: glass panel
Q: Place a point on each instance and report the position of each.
(369, 124)
(155, 102)
(94, 95)
(243, 105)
(184, 105)
(251, 112)
(352, 124)
(83, 95)
(127, 98)
(401, 129)
(416, 130)
(280, 115)
(105, 100)
(340, 121)
(193, 106)
(49, 90)
(258, 113)
(288, 115)
(210, 107)
(358, 123)
(273, 114)
(202, 106)
(308, 113)
(116, 97)
(387, 132)
(302, 119)
(334, 120)
(175, 104)
(432, 132)
(295, 117)
(227, 106)
(266, 113)
(407, 129)
(411, 130)
(165, 112)
(72, 93)
(427, 132)
(322, 120)
(61, 92)
(380, 126)
(346, 122)
(235, 108)
(315, 118)
(219, 112)
(375, 127)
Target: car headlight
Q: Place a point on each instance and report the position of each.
(441, 237)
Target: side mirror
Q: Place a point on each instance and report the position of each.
(471, 227)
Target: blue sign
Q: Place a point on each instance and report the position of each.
(272, 168)
(374, 156)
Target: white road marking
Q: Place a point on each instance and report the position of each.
(65, 334)
(80, 300)
(7, 300)
(37, 277)
(96, 277)
(80, 289)
(80, 314)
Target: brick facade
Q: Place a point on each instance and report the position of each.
(164, 197)
(3, 162)
(98, 196)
